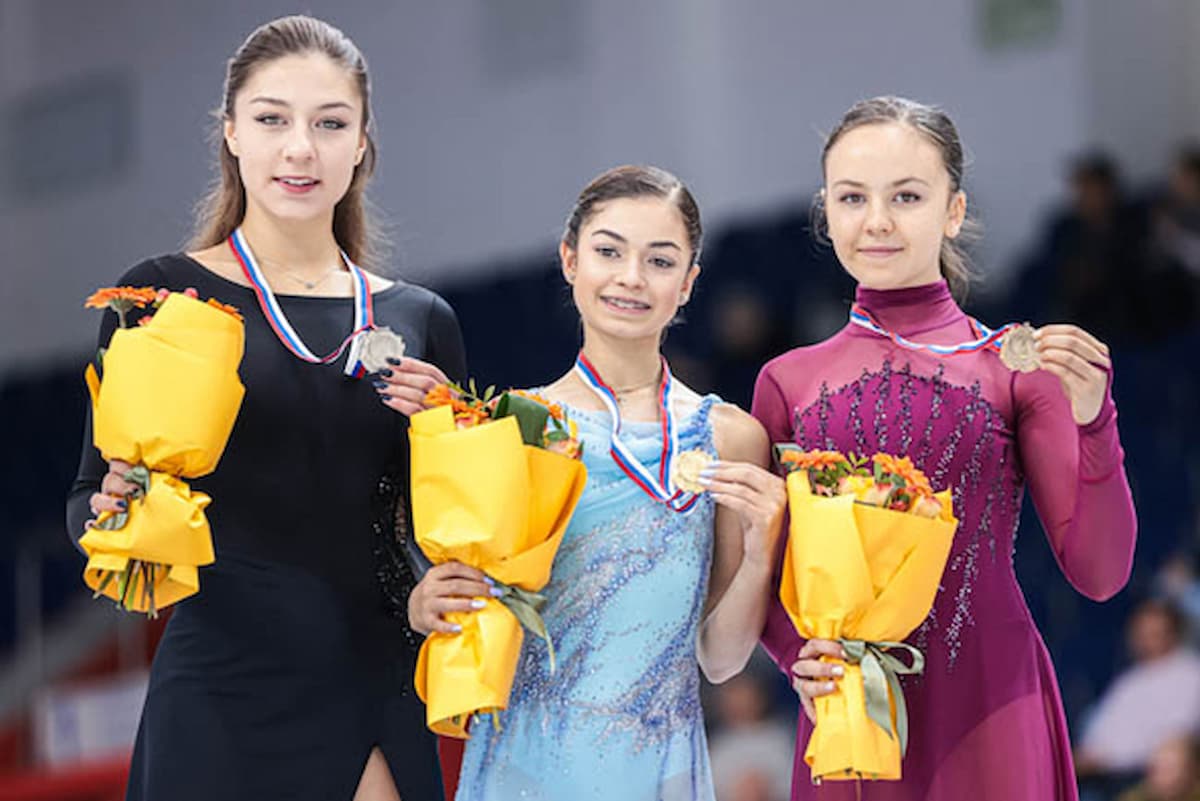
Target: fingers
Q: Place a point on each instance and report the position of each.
(448, 570)
(406, 405)
(817, 670)
(814, 648)
(101, 502)
(1072, 344)
(750, 475)
(410, 368)
(1064, 362)
(1070, 331)
(114, 482)
(448, 588)
(404, 385)
(812, 677)
(748, 483)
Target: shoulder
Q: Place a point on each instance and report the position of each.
(156, 270)
(804, 358)
(737, 436)
(415, 298)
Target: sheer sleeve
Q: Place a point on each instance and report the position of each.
(771, 408)
(92, 466)
(1076, 476)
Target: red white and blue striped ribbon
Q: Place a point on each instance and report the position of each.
(364, 313)
(657, 487)
(986, 338)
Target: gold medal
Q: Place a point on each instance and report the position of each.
(1018, 350)
(685, 473)
(377, 346)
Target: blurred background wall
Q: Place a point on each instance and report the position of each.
(491, 115)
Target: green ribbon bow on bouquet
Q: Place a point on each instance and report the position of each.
(881, 671)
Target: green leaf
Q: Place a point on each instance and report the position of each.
(139, 475)
(526, 606)
(115, 522)
(531, 416)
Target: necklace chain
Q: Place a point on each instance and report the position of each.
(306, 283)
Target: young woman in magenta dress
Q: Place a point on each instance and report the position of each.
(646, 590)
(986, 719)
(290, 674)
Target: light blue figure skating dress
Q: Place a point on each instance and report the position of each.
(620, 718)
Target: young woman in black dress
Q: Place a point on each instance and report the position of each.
(289, 674)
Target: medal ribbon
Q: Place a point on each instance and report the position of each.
(657, 487)
(986, 338)
(364, 312)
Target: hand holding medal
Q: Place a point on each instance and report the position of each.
(404, 383)
(1082, 364)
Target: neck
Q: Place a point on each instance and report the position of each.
(622, 363)
(911, 310)
(300, 247)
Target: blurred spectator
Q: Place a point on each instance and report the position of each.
(1172, 775)
(745, 335)
(1177, 582)
(1088, 258)
(751, 752)
(1153, 701)
(1171, 300)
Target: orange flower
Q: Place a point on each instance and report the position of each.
(467, 415)
(440, 395)
(138, 297)
(903, 467)
(555, 409)
(814, 459)
(225, 307)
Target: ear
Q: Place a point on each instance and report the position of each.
(569, 258)
(230, 136)
(362, 149)
(689, 281)
(956, 214)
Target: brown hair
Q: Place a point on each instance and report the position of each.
(936, 126)
(223, 208)
(631, 182)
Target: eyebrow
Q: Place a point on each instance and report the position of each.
(274, 101)
(860, 184)
(665, 243)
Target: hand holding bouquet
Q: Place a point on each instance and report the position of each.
(867, 545)
(166, 405)
(495, 479)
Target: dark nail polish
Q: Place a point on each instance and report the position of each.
(122, 505)
(379, 384)
(392, 361)
(386, 373)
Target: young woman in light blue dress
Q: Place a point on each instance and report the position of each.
(652, 584)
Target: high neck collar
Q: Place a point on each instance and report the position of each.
(912, 310)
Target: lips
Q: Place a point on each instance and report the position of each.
(297, 184)
(879, 252)
(624, 305)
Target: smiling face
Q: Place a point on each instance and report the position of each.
(889, 203)
(297, 133)
(632, 268)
